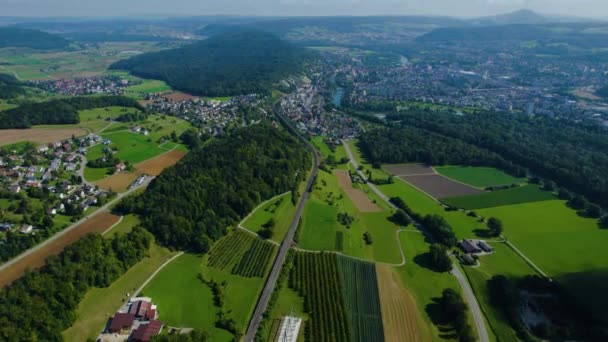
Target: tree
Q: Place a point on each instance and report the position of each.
(400, 218)
(604, 221)
(367, 237)
(440, 261)
(593, 211)
(495, 226)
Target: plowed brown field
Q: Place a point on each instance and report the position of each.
(38, 135)
(96, 224)
(359, 198)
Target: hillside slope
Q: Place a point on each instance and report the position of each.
(18, 37)
(231, 63)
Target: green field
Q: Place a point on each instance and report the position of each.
(320, 227)
(480, 177)
(504, 262)
(423, 283)
(564, 245)
(182, 299)
(325, 151)
(91, 315)
(521, 194)
(280, 209)
(148, 86)
(133, 147)
(127, 223)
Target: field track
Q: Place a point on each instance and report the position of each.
(38, 135)
(359, 198)
(96, 224)
(400, 315)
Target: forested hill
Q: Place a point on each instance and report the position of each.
(59, 111)
(193, 203)
(10, 87)
(231, 63)
(18, 37)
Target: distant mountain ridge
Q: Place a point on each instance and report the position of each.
(523, 16)
(230, 63)
(35, 39)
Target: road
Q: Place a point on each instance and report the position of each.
(462, 280)
(271, 281)
(69, 228)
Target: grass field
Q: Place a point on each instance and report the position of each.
(280, 209)
(325, 151)
(480, 177)
(127, 223)
(425, 285)
(564, 245)
(504, 262)
(148, 86)
(133, 147)
(182, 299)
(521, 194)
(98, 302)
(320, 226)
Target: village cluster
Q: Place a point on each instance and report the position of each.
(54, 170)
(211, 116)
(112, 85)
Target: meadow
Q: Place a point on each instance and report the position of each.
(566, 246)
(521, 194)
(184, 300)
(325, 151)
(148, 86)
(480, 177)
(280, 209)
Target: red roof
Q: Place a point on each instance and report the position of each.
(134, 307)
(121, 321)
(146, 331)
(151, 314)
(143, 308)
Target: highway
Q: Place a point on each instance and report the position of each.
(462, 280)
(271, 281)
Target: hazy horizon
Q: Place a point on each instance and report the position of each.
(163, 8)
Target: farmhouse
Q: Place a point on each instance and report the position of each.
(120, 167)
(145, 332)
(485, 247)
(121, 323)
(469, 246)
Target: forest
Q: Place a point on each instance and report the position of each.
(18, 37)
(59, 111)
(193, 203)
(10, 87)
(231, 63)
(41, 304)
(574, 155)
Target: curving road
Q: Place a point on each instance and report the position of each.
(271, 281)
(456, 272)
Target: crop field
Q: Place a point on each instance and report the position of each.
(400, 315)
(439, 186)
(118, 182)
(95, 224)
(359, 199)
(361, 299)
(244, 254)
(89, 323)
(148, 86)
(156, 165)
(564, 245)
(504, 262)
(316, 278)
(521, 194)
(280, 209)
(256, 260)
(184, 300)
(38, 135)
(480, 177)
(408, 169)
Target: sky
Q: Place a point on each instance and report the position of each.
(457, 8)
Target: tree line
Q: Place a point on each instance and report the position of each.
(192, 204)
(59, 111)
(43, 303)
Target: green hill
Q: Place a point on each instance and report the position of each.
(231, 63)
(18, 37)
(10, 87)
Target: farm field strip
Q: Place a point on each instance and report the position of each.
(408, 169)
(439, 186)
(358, 197)
(361, 298)
(400, 315)
(38, 135)
(255, 260)
(480, 177)
(498, 198)
(316, 278)
(229, 249)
